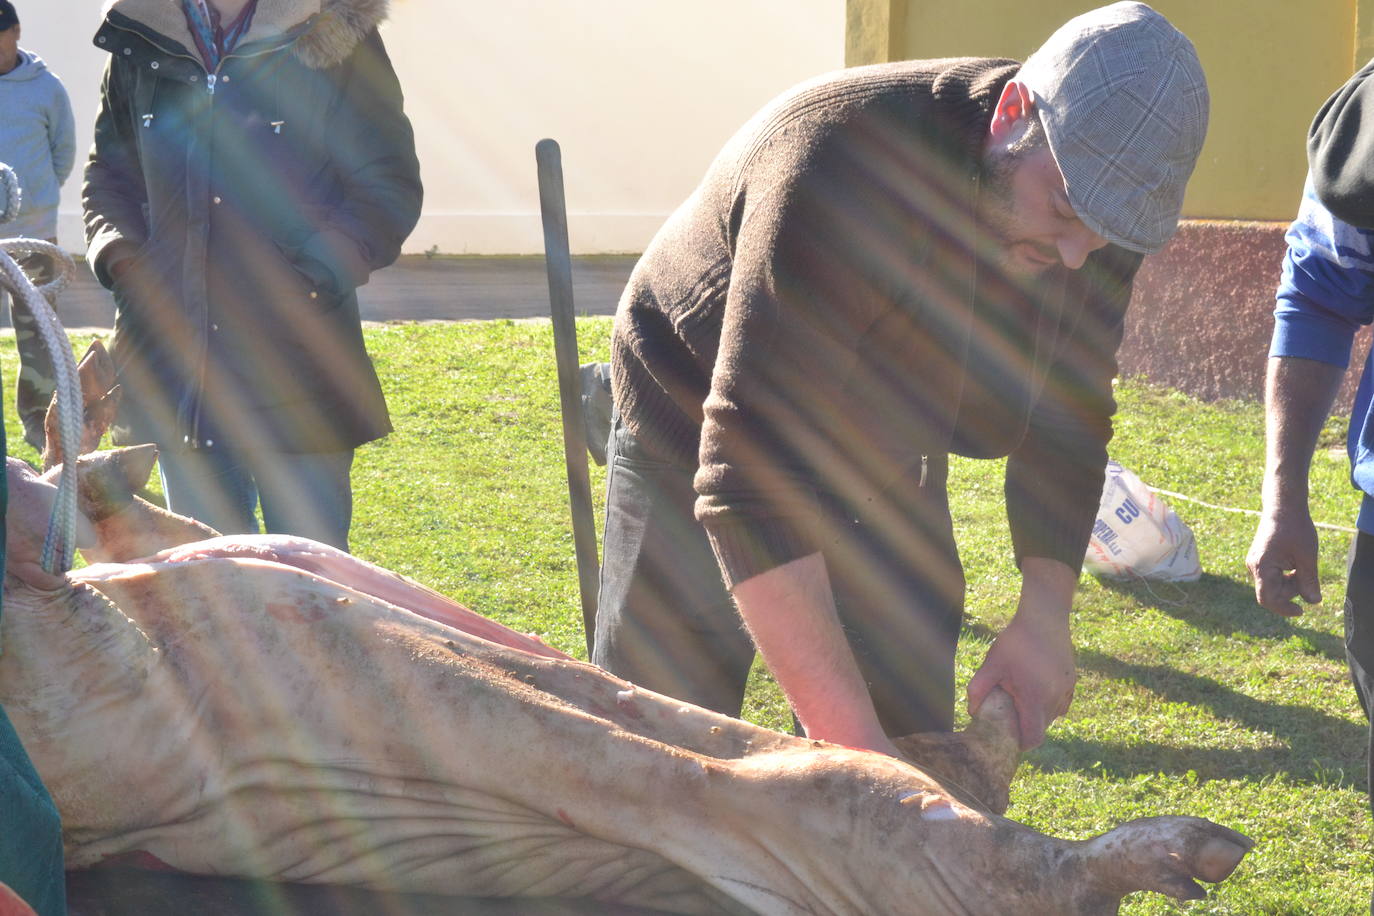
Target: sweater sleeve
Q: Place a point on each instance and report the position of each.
(1054, 477)
(1326, 293)
(811, 400)
(797, 305)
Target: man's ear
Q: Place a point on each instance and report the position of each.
(1015, 105)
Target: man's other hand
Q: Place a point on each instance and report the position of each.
(1283, 562)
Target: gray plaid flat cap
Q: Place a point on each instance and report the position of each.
(1124, 103)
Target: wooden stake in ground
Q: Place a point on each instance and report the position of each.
(558, 260)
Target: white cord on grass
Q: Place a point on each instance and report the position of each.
(1253, 512)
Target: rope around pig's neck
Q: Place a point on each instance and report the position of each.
(59, 546)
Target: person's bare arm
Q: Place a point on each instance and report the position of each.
(790, 613)
(1283, 556)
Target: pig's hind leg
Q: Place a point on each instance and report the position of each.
(347, 570)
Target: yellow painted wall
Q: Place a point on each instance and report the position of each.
(1269, 65)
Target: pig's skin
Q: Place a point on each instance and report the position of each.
(234, 715)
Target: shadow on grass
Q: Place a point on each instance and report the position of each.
(1225, 607)
(1316, 748)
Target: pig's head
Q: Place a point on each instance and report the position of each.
(114, 523)
(105, 483)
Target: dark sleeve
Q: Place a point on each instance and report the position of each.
(1340, 151)
(755, 484)
(825, 242)
(1054, 478)
(375, 165)
(113, 194)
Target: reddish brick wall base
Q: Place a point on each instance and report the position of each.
(1202, 312)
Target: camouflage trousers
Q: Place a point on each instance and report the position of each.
(37, 379)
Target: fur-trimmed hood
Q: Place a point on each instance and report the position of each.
(334, 26)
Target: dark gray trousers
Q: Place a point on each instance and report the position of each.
(666, 622)
(1359, 637)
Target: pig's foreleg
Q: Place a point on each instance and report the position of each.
(1042, 874)
(127, 527)
(840, 822)
(347, 570)
(139, 529)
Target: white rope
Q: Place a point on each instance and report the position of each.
(13, 197)
(59, 548)
(1257, 514)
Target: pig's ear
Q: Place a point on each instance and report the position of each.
(110, 479)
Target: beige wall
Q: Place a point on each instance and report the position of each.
(1269, 65)
(639, 93)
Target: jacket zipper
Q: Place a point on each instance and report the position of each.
(211, 79)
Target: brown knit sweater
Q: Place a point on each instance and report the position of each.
(814, 320)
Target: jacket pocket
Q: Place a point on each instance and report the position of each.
(318, 285)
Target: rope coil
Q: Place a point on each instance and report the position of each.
(59, 546)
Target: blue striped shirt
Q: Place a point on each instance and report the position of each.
(1325, 296)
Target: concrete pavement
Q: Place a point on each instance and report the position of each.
(417, 288)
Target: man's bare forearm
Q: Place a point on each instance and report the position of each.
(790, 614)
(1298, 396)
(1283, 555)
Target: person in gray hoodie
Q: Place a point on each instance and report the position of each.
(37, 140)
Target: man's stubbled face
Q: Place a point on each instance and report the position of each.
(1025, 206)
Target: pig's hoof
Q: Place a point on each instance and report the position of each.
(1166, 854)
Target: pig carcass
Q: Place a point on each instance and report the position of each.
(271, 707)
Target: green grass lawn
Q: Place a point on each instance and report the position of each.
(1191, 699)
